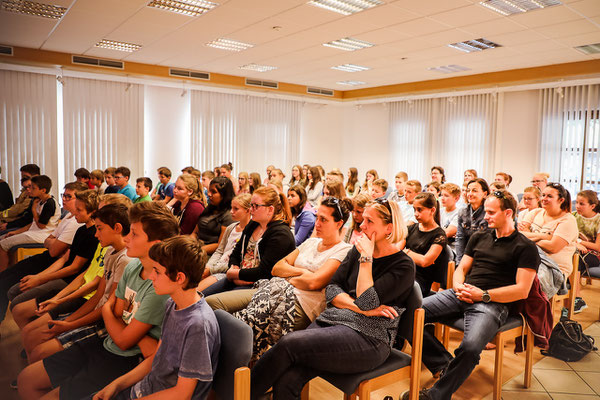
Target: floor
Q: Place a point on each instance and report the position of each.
(552, 378)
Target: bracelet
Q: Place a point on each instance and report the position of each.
(365, 259)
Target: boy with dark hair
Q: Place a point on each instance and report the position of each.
(83, 175)
(378, 189)
(97, 179)
(21, 208)
(30, 169)
(164, 190)
(122, 175)
(142, 188)
(186, 359)
(46, 214)
(132, 317)
(109, 176)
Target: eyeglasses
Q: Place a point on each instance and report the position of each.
(255, 206)
(537, 181)
(119, 177)
(66, 196)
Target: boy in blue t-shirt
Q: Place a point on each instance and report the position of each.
(122, 175)
(186, 359)
(132, 317)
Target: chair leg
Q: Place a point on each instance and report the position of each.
(364, 390)
(498, 363)
(439, 332)
(305, 391)
(446, 337)
(528, 360)
(350, 396)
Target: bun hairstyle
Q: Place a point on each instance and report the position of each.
(563, 194)
(389, 212)
(341, 208)
(591, 197)
(228, 166)
(428, 200)
(507, 178)
(279, 202)
(191, 183)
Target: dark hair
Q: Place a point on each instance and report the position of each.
(301, 192)
(591, 197)
(316, 177)
(76, 186)
(31, 169)
(157, 220)
(123, 171)
(507, 201)
(187, 170)
(255, 181)
(110, 171)
(42, 182)
(225, 189)
(441, 170)
(341, 208)
(147, 181)
(563, 194)
(113, 214)
(336, 188)
(181, 254)
(82, 173)
(352, 179)
(482, 183)
(98, 174)
(164, 171)
(90, 199)
(228, 166)
(428, 200)
(436, 185)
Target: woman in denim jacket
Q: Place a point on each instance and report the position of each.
(471, 218)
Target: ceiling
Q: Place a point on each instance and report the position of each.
(410, 36)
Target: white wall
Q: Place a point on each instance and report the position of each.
(166, 130)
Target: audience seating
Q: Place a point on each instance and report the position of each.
(594, 275)
(23, 251)
(398, 366)
(232, 378)
(566, 296)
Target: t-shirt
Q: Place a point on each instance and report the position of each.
(84, 245)
(165, 190)
(448, 218)
(189, 348)
(48, 214)
(112, 189)
(128, 191)
(496, 260)
(420, 242)
(564, 227)
(209, 225)
(219, 261)
(141, 303)
(140, 199)
(188, 216)
(65, 231)
(588, 227)
(95, 269)
(408, 212)
(309, 257)
(114, 265)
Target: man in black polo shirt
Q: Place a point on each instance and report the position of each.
(498, 268)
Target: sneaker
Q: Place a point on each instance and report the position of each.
(13, 384)
(564, 313)
(423, 395)
(579, 305)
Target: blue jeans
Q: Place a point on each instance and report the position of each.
(482, 322)
(221, 286)
(302, 355)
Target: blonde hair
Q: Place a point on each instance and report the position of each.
(415, 184)
(451, 188)
(243, 200)
(245, 176)
(399, 231)
(191, 183)
(115, 198)
(281, 208)
(402, 175)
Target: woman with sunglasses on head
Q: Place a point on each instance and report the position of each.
(356, 331)
(471, 218)
(266, 239)
(553, 228)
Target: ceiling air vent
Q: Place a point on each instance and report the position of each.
(97, 62)
(589, 48)
(189, 74)
(322, 92)
(6, 50)
(267, 84)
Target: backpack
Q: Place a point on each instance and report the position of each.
(568, 342)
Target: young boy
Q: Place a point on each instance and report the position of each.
(164, 190)
(132, 317)
(142, 188)
(378, 189)
(46, 214)
(186, 359)
(400, 181)
(112, 225)
(109, 176)
(24, 200)
(83, 175)
(122, 175)
(97, 179)
(411, 189)
(449, 195)
(25, 217)
(207, 176)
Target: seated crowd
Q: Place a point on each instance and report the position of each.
(119, 304)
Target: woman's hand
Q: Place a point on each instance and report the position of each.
(233, 273)
(382, 311)
(365, 245)
(582, 249)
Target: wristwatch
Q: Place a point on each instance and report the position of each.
(485, 297)
(365, 259)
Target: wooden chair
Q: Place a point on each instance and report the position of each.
(566, 297)
(24, 252)
(594, 275)
(398, 366)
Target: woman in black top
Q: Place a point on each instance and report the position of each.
(357, 330)
(217, 216)
(426, 243)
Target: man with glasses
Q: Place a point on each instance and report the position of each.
(540, 180)
(122, 181)
(498, 268)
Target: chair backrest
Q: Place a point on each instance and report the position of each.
(236, 351)
(414, 301)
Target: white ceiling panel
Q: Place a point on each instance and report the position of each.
(429, 7)
(382, 16)
(24, 30)
(546, 16)
(466, 16)
(493, 27)
(148, 25)
(418, 27)
(580, 40)
(446, 37)
(516, 38)
(571, 28)
(589, 8)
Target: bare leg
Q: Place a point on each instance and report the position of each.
(33, 382)
(32, 335)
(23, 313)
(4, 261)
(45, 349)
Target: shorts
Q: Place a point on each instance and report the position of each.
(24, 238)
(68, 339)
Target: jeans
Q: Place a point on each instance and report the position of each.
(482, 321)
(222, 285)
(300, 356)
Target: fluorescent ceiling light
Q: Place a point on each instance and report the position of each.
(119, 46)
(448, 69)
(350, 68)
(469, 46)
(259, 68)
(509, 7)
(589, 48)
(228, 44)
(345, 7)
(351, 83)
(35, 9)
(192, 8)
(348, 44)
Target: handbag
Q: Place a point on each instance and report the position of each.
(568, 342)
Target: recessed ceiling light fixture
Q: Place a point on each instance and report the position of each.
(469, 46)
(348, 44)
(351, 68)
(192, 8)
(228, 44)
(589, 48)
(345, 7)
(351, 83)
(258, 68)
(509, 7)
(448, 69)
(119, 46)
(32, 8)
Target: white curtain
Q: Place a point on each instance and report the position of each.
(570, 136)
(456, 133)
(103, 126)
(250, 132)
(27, 125)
